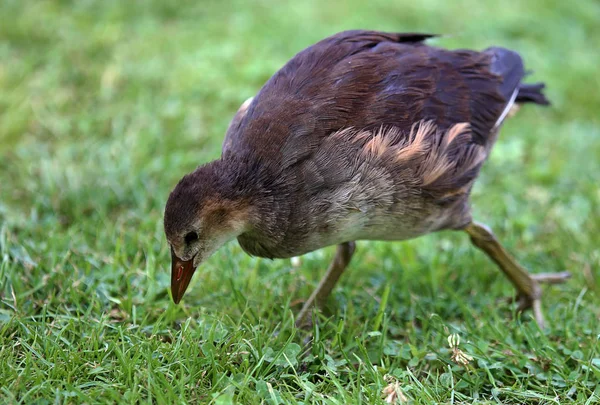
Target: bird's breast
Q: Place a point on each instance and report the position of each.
(346, 220)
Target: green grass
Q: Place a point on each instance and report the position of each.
(105, 105)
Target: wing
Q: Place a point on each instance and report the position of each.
(234, 125)
(365, 80)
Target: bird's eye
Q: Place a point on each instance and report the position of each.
(191, 237)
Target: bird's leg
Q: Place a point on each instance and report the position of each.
(342, 257)
(527, 285)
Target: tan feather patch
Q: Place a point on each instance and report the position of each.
(416, 144)
(381, 142)
(456, 130)
(436, 155)
(436, 170)
(439, 163)
(343, 133)
(361, 136)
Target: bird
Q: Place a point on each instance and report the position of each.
(364, 135)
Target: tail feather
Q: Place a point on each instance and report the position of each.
(532, 93)
(509, 66)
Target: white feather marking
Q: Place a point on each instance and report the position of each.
(513, 97)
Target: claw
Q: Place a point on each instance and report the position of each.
(534, 302)
(537, 313)
(527, 285)
(551, 278)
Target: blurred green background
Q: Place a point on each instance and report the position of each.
(104, 105)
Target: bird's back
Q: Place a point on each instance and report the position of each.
(365, 79)
(373, 136)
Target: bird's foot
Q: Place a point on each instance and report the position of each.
(304, 320)
(343, 254)
(533, 301)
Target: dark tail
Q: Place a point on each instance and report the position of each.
(509, 65)
(532, 93)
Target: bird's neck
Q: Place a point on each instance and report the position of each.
(266, 194)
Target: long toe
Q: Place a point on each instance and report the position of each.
(304, 320)
(551, 278)
(535, 304)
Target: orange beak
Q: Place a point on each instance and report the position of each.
(181, 275)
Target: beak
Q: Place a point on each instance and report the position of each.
(181, 275)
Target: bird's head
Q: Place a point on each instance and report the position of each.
(202, 214)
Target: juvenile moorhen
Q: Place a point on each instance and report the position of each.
(364, 135)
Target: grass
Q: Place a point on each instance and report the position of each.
(105, 105)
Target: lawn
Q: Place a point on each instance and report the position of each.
(105, 105)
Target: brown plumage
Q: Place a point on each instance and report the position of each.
(364, 135)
